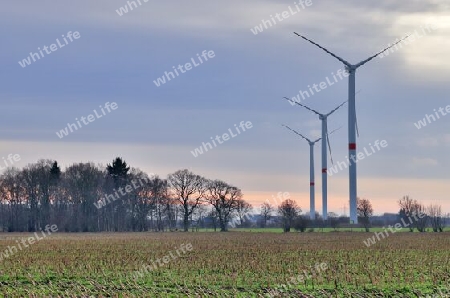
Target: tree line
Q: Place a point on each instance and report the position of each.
(117, 198)
(90, 198)
(414, 214)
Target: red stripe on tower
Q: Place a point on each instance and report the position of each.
(311, 183)
(324, 170)
(352, 146)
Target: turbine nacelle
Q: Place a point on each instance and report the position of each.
(311, 143)
(349, 69)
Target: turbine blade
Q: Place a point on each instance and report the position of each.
(335, 130)
(336, 108)
(329, 148)
(328, 141)
(314, 111)
(319, 46)
(379, 53)
(288, 99)
(356, 120)
(296, 132)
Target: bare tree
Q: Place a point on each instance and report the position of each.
(163, 203)
(435, 215)
(420, 216)
(408, 208)
(12, 195)
(40, 180)
(200, 214)
(142, 198)
(365, 211)
(226, 199)
(83, 185)
(288, 210)
(189, 190)
(43, 169)
(266, 213)
(243, 210)
(213, 216)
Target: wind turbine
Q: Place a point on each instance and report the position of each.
(325, 143)
(351, 69)
(312, 208)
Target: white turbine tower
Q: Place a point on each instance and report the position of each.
(312, 208)
(325, 144)
(351, 69)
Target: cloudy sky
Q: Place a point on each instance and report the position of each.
(117, 58)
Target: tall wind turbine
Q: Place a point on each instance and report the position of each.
(325, 144)
(351, 69)
(312, 208)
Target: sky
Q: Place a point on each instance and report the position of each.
(113, 56)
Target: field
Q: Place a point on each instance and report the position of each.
(321, 230)
(233, 264)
